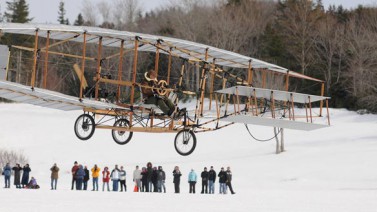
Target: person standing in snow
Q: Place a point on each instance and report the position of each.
(176, 179)
(154, 179)
(204, 177)
(115, 178)
(222, 181)
(192, 177)
(7, 172)
(80, 174)
(105, 178)
(74, 169)
(137, 178)
(17, 175)
(161, 180)
(149, 176)
(229, 180)
(95, 175)
(54, 176)
(86, 178)
(211, 180)
(144, 180)
(25, 175)
(122, 179)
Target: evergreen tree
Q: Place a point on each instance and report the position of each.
(18, 12)
(79, 21)
(61, 14)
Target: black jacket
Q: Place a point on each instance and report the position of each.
(144, 177)
(176, 176)
(212, 175)
(86, 177)
(204, 176)
(154, 176)
(228, 176)
(222, 177)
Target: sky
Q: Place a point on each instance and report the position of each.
(45, 11)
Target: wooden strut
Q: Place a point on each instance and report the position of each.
(293, 108)
(82, 65)
(286, 87)
(99, 58)
(169, 67)
(211, 86)
(46, 60)
(203, 83)
(120, 68)
(53, 53)
(306, 113)
(32, 83)
(310, 107)
(157, 58)
(328, 114)
(322, 94)
(59, 42)
(134, 77)
(273, 105)
(256, 103)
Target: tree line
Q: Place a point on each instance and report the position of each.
(334, 44)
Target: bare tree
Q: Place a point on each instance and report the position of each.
(361, 59)
(329, 44)
(125, 13)
(298, 19)
(89, 12)
(104, 9)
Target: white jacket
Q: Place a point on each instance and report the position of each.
(115, 174)
(137, 174)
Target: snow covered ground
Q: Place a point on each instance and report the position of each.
(332, 169)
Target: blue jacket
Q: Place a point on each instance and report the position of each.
(80, 173)
(192, 176)
(7, 171)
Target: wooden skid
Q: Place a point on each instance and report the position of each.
(140, 129)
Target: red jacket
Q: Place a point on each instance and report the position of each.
(106, 176)
(74, 170)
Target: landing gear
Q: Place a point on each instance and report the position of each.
(185, 142)
(119, 136)
(84, 127)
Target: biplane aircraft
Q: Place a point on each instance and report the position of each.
(231, 88)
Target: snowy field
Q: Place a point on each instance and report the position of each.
(332, 169)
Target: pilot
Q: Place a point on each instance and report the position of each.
(152, 97)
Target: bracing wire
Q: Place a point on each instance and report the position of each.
(263, 140)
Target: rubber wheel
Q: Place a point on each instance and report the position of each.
(185, 142)
(121, 137)
(84, 127)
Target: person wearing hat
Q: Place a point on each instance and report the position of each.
(74, 170)
(192, 180)
(211, 180)
(222, 180)
(204, 177)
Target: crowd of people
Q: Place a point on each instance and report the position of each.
(147, 179)
(19, 182)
